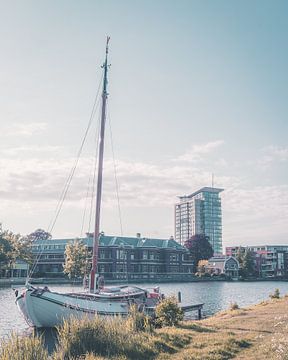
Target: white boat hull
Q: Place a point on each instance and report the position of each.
(43, 308)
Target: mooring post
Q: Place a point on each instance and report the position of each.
(199, 313)
(179, 296)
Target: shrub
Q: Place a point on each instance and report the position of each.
(168, 313)
(275, 295)
(233, 306)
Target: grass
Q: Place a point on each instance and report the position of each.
(22, 348)
(258, 332)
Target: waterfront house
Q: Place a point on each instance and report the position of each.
(223, 265)
(121, 258)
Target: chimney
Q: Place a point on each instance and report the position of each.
(138, 235)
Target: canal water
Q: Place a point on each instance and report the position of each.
(216, 296)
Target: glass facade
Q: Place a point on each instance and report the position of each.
(200, 213)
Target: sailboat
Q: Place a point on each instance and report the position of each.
(44, 308)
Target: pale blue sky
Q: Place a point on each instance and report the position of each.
(195, 87)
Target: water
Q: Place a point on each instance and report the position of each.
(216, 296)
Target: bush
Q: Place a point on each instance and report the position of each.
(168, 313)
(233, 306)
(275, 295)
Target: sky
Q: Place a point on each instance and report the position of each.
(195, 88)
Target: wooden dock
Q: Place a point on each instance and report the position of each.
(193, 307)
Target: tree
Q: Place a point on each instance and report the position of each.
(13, 247)
(76, 259)
(199, 248)
(39, 234)
(5, 252)
(245, 258)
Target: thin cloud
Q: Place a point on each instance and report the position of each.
(24, 150)
(272, 154)
(24, 129)
(199, 151)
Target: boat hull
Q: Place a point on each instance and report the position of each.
(43, 308)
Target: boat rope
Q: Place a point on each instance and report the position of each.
(68, 182)
(69, 179)
(115, 173)
(91, 185)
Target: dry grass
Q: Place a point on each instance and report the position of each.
(257, 333)
(22, 348)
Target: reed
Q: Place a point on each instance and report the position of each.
(103, 337)
(22, 348)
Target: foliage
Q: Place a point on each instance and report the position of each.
(201, 268)
(234, 306)
(5, 251)
(245, 258)
(168, 313)
(39, 234)
(13, 247)
(199, 248)
(22, 348)
(275, 295)
(76, 259)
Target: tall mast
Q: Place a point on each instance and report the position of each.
(100, 171)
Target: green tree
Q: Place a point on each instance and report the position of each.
(245, 258)
(76, 259)
(13, 247)
(199, 248)
(5, 252)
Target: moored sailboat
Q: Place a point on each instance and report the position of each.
(44, 308)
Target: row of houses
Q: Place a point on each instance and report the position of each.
(137, 259)
(270, 261)
(132, 259)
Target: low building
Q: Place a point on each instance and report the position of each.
(269, 260)
(226, 265)
(121, 258)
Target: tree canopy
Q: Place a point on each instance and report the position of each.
(13, 247)
(199, 248)
(245, 258)
(76, 259)
(39, 234)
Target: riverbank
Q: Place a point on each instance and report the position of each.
(64, 281)
(256, 332)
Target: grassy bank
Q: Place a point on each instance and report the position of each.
(257, 332)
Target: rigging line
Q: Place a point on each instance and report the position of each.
(115, 173)
(85, 206)
(68, 182)
(93, 188)
(91, 184)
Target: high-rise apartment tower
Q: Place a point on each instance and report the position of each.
(200, 213)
